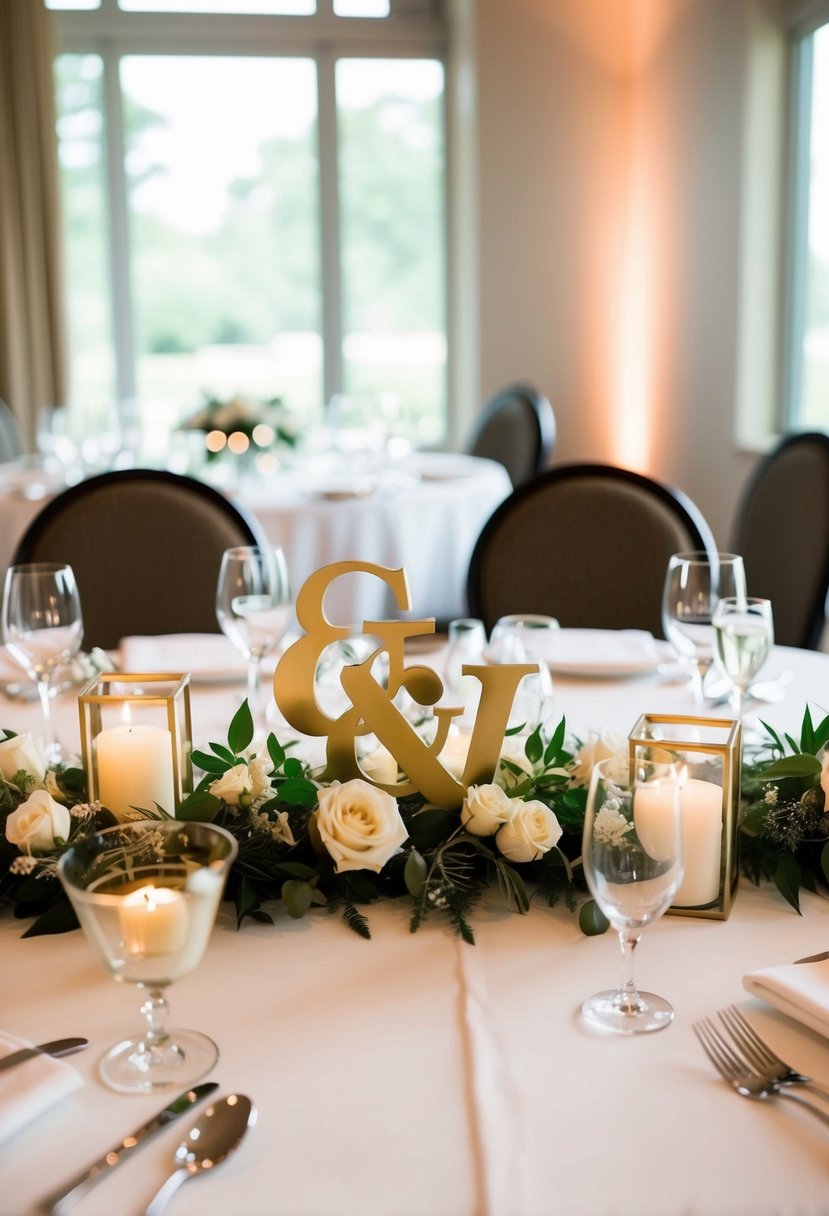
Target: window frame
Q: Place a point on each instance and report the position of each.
(414, 29)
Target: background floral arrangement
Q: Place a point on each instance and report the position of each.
(244, 414)
(345, 846)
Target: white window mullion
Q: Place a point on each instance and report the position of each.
(798, 228)
(119, 252)
(330, 245)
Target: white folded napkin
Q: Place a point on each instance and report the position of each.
(799, 989)
(207, 656)
(604, 649)
(32, 1087)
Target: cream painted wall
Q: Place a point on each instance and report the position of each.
(587, 112)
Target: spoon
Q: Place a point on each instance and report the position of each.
(216, 1133)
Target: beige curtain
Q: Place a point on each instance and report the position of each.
(32, 340)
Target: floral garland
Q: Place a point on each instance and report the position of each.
(346, 846)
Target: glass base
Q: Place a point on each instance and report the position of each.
(133, 1067)
(615, 1011)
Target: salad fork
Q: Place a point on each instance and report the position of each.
(748, 1084)
(759, 1056)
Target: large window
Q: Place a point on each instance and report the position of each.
(254, 204)
(808, 370)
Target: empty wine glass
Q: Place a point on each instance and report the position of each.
(525, 638)
(467, 640)
(253, 607)
(146, 894)
(694, 584)
(42, 628)
(744, 634)
(632, 858)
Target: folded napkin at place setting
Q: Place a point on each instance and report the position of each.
(31, 1087)
(602, 649)
(800, 990)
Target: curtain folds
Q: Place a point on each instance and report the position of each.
(32, 337)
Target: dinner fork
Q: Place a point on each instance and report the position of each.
(759, 1056)
(733, 1070)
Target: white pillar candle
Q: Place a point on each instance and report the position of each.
(701, 804)
(135, 768)
(153, 921)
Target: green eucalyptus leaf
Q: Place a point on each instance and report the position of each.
(800, 765)
(807, 733)
(298, 791)
(293, 767)
(534, 747)
(297, 897)
(240, 733)
(210, 764)
(592, 921)
(276, 751)
(199, 807)
(415, 873)
(74, 779)
(787, 879)
(556, 743)
(822, 734)
(224, 753)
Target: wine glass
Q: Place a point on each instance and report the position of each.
(253, 607)
(146, 894)
(467, 640)
(42, 628)
(694, 583)
(632, 858)
(525, 638)
(744, 634)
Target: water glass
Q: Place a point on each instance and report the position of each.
(694, 584)
(525, 638)
(633, 864)
(467, 641)
(744, 634)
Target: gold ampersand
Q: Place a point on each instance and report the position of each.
(372, 709)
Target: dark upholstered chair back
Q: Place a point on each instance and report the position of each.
(518, 429)
(586, 543)
(782, 530)
(145, 547)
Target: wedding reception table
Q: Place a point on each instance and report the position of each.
(414, 1074)
(424, 512)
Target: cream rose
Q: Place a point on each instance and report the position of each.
(21, 752)
(485, 808)
(606, 746)
(532, 830)
(824, 779)
(359, 825)
(380, 765)
(453, 756)
(242, 784)
(38, 823)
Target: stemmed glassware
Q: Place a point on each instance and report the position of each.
(253, 607)
(744, 634)
(632, 858)
(42, 628)
(694, 584)
(525, 638)
(146, 894)
(466, 644)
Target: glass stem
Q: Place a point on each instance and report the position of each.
(698, 681)
(44, 685)
(155, 1009)
(628, 997)
(254, 683)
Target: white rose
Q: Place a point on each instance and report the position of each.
(824, 779)
(38, 823)
(22, 752)
(531, 832)
(453, 756)
(381, 766)
(606, 746)
(359, 825)
(240, 785)
(485, 808)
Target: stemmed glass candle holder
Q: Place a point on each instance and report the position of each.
(253, 608)
(632, 858)
(42, 628)
(146, 895)
(694, 584)
(744, 634)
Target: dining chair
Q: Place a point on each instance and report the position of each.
(587, 544)
(781, 528)
(517, 427)
(145, 547)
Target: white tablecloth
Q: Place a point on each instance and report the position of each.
(414, 1075)
(424, 515)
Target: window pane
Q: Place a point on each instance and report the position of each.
(75, 4)
(78, 90)
(361, 8)
(293, 8)
(814, 404)
(223, 197)
(390, 125)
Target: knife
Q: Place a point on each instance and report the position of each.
(82, 1182)
(60, 1047)
(814, 958)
